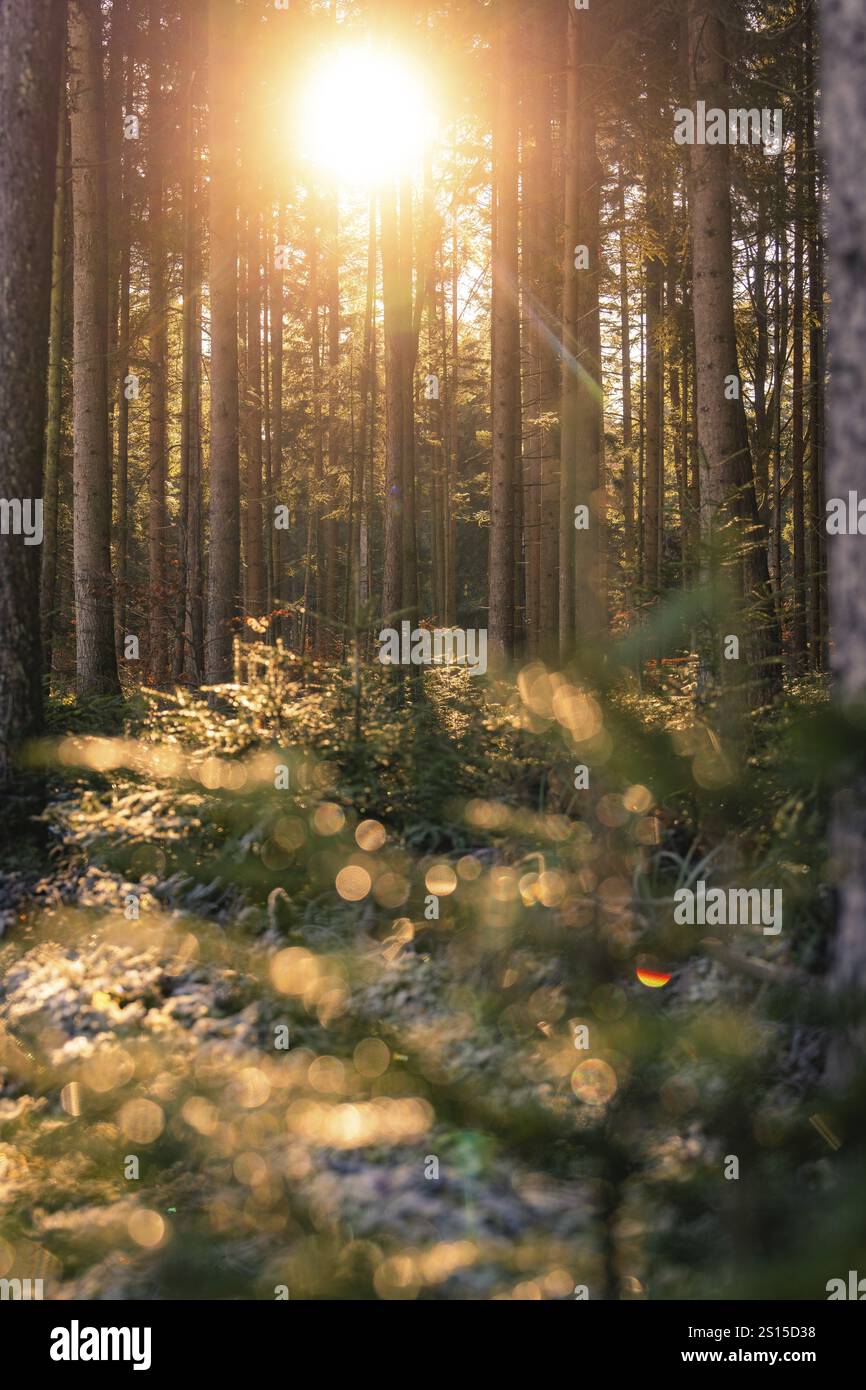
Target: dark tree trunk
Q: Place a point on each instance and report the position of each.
(506, 346)
(224, 547)
(51, 477)
(31, 39)
(392, 581)
(94, 620)
(190, 635)
(798, 625)
(727, 480)
(157, 341)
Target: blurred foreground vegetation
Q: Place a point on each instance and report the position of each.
(232, 970)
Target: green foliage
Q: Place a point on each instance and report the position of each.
(304, 906)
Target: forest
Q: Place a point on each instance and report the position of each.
(432, 649)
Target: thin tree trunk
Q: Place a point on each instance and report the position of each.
(224, 546)
(280, 495)
(121, 530)
(190, 634)
(570, 317)
(532, 330)
(267, 433)
(817, 600)
(625, 360)
(550, 119)
(255, 559)
(313, 582)
(157, 337)
(392, 581)
(330, 524)
(407, 365)
(654, 384)
(453, 434)
(781, 308)
(505, 364)
(368, 374)
(51, 476)
(96, 658)
(798, 625)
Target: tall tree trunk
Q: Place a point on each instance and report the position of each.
(407, 365)
(625, 360)
(280, 495)
(727, 480)
(505, 363)
(94, 623)
(392, 580)
(121, 513)
(190, 644)
(581, 544)
(330, 525)
(31, 39)
(676, 376)
(224, 547)
(781, 298)
(655, 277)
(255, 557)
(114, 106)
(533, 193)
(814, 199)
(157, 339)
(51, 476)
(570, 315)
(798, 625)
(762, 356)
(549, 364)
(317, 489)
(368, 386)
(453, 433)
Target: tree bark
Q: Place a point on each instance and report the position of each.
(392, 580)
(121, 504)
(330, 524)
(798, 623)
(31, 39)
(814, 196)
(224, 550)
(255, 556)
(157, 350)
(51, 476)
(505, 362)
(655, 276)
(625, 361)
(727, 481)
(190, 644)
(95, 652)
(407, 366)
(280, 494)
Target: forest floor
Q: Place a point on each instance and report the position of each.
(242, 1057)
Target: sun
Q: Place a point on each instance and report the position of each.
(365, 116)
